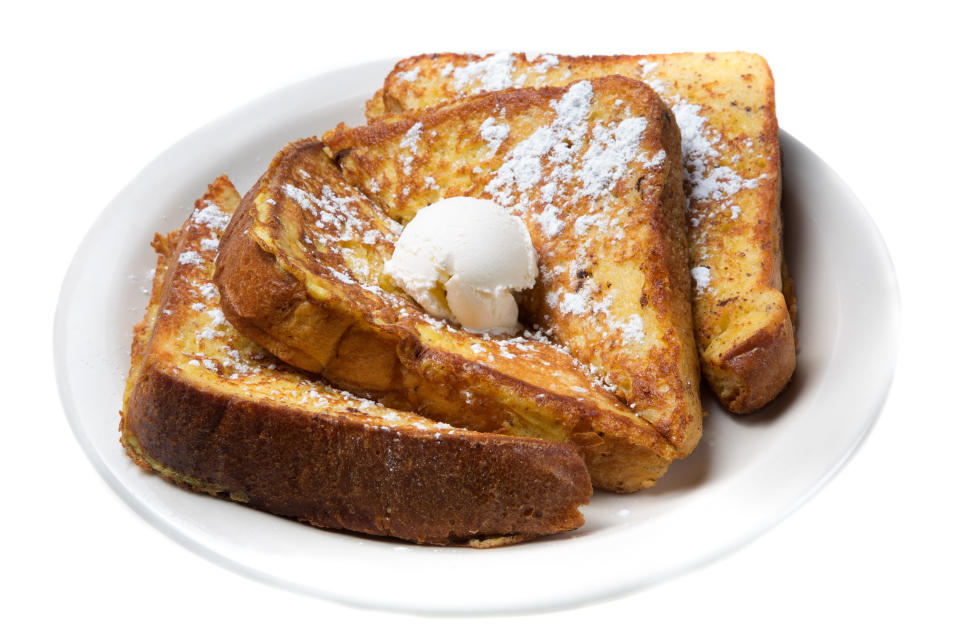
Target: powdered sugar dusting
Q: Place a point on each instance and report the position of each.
(523, 166)
(549, 221)
(208, 290)
(708, 181)
(577, 303)
(492, 73)
(542, 62)
(592, 159)
(189, 257)
(334, 212)
(647, 66)
(214, 348)
(211, 216)
(410, 76)
(494, 134)
(699, 152)
(632, 329)
(656, 160)
(216, 317)
(610, 151)
(409, 142)
(701, 276)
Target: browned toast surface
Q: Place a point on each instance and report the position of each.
(605, 217)
(209, 409)
(638, 337)
(724, 104)
(312, 303)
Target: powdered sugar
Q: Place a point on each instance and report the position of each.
(584, 222)
(216, 317)
(547, 156)
(338, 214)
(208, 333)
(549, 222)
(610, 150)
(412, 137)
(573, 107)
(494, 134)
(409, 76)
(656, 160)
(577, 303)
(190, 257)
(701, 276)
(522, 168)
(551, 157)
(409, 141)
(493, 73)
(718, 184)
(215, 347)
(647, 66)
(208, 290)
(542, 62)
(211, 216)
(632, 329)
(706, 179)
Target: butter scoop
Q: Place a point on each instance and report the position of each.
(462, 259)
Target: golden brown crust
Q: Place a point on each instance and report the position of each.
(409, 364)
(757, 369)
(370, 349)
(273, 439)
(374, 107)
(659, 382)
(734, 93)
(336, 472)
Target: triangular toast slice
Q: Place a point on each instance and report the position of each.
(210, 410)
(301, 272)
(724, 104)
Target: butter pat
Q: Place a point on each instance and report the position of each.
(461, 259)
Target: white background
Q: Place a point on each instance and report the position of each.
(93, 91)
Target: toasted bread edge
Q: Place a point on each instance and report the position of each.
(162, 411)
(745, 375)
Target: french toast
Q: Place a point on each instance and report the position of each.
(300, 270)
(724, 104)
(208, 409)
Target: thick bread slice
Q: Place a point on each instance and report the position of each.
(328, 307)
(594, 170)
(724, 105)
(210, 410)
(300, 270)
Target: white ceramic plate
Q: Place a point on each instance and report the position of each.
(746, 475)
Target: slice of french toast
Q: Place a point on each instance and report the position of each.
(210, 410)
(301, 271)
(724, 104)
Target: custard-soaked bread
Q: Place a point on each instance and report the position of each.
(301, 270)
(210, 410)
(724, 105)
